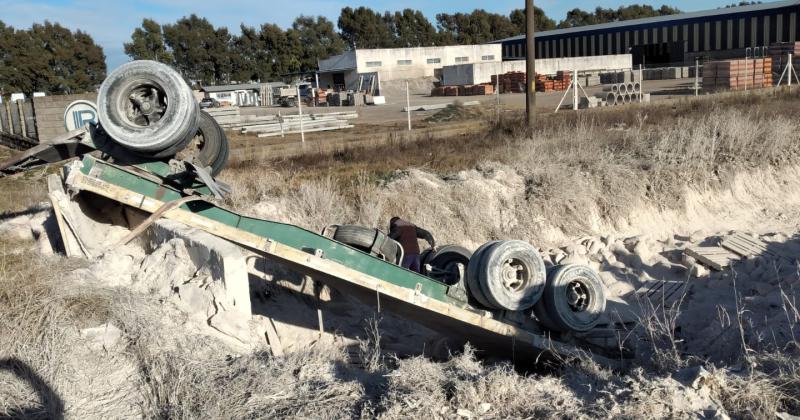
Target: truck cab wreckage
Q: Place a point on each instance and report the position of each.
(155, 151)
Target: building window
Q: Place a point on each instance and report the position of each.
(487, 58)
(403, 62)
(374, 64)
(462, 59)
(434, 60)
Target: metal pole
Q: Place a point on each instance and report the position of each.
(300, 113)
(696, 75)
(530, 61)
(408, 106)
(497, 92)
(316, 88)
(574, 90)
(641, 81)
(790, 66)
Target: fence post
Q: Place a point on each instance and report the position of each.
(300, 113)
(408, 106)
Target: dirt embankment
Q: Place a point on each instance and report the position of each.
(623, 193)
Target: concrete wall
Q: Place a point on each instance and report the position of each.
(476, 73)
(49, 112)
(419, 67)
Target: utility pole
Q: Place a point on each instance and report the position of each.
(530, 61)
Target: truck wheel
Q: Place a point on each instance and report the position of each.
(444, 261)
(363, 238)
(147, 107)
(209, 147)
(573, 300)
(512, 275)
(473, 282)
(425, 258)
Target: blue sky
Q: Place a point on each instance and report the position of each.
(111, 22)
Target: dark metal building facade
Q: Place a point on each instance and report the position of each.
(719, 33)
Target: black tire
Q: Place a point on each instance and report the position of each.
(574, 299)
(473, 283)
(147, 107)
(425, 258)
(363, 238)
(444, 259)
(209, 147)
(512, 275)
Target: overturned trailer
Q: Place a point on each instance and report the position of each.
(501, 299)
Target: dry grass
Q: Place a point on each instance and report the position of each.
(184, 376)
(601, 163)
(577, 170)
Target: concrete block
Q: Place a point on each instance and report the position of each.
(226, 261)
(670, 73)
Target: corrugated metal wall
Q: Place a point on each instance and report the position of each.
(697, 35)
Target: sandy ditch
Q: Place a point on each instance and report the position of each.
(751, 307)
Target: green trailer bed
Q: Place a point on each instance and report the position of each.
(149, 186)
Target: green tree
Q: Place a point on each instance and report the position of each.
(201, 52)
(49, 58)
(412, 29)
(540, 20)
(317, 39)
(578, 17)
(249, 58)
(280, 47)
(147, 43)
(477, 27)
(365, 28)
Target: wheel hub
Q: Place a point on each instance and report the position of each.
(146, 105)
(578, 296)
(513, 274)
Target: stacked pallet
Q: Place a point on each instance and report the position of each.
(511, 82)
(463, 90)
(544, 84)
(737, 74)
(560, 82)
(779, 52)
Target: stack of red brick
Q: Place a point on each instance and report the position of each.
(560, 82)
(463, 90)
(512, 82)
(737, 74)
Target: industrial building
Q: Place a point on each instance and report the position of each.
(237, 95)
(674, 39)
(353, 69)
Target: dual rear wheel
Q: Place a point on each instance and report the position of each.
(148, 108)
(511, 275)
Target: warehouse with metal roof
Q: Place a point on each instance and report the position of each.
(674, 39)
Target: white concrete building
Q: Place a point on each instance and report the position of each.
(477, 73)
(344, 71)
(235, 95)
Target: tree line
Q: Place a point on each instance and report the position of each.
(50, 58)
(212, 55)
